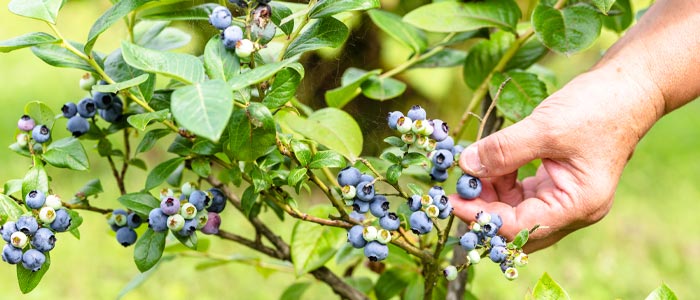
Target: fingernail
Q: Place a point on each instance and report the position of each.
(472, 162)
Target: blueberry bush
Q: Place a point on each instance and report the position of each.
(252, 146)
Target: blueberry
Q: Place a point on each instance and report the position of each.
(489, 230)
(170, 206)
(87, 81)
(360, 206)
(355, 237)
(33, 260)
(157, 220)
(365, 191)
(414, 203)
(366, 177)
(11, 255)
(383, 236)
(392, 118)
(119, 216)
(408, 138)
(199, 199)
(521, 260)
(218, 201)
(188, 211)
(448, 143)
(376, 251)
(187, 188)
(416, 113)
(348, 192)
(87, 108)
(505, 265)
(450, 273)
(483, 218)
(62, 221)
(390, 221)
(498, 241)
(220, 17)
(468, 187)
(78, 125)
(19, 239)
(7, 230)
(47, 214)
(213, 223)
(473, 257)
(126, 236)
(188, 228)
(357, 216)
(244, 48)
(25, 123)
(432, 211)
(443, 159)
(349, 176)
(437, 174)
(176, 222)
(457, 150)
(441, 202)
(103, 100)
(44, 240)
(202, 218)
(420, 223)
(436, 191)
(41, 134)
(27, 224)
(230, 36)
(496, 219)
(133, 220)
(469, 240)
(114, 112)
(445, 213)
(511, 273)
(35, 199)
(404, 124)
(498, 254)
(379, 206)
(440, 130)
(369, 233)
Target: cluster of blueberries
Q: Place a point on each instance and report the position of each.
(193, 210)
(39, 133)
(426, 207)
(124, 224)
(28, 239)
(231, 35)
(107, 105)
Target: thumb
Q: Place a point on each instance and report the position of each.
(505, 151)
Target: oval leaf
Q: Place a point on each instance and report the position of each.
(120, 71)
(568, 30)
(251, 132)
(332, 128)
(161, 172)
(45, 10)
(399, 30)
(330, 7)
(662, 293)
(111, 16)
(27, 40)
(520, 95)
(116, 87)
(350, 87)
(67, 153)
(35, 179)
(327, 159)
(29, 280)
(283, 89)
(141, 203)
(452, 16)
(149, 249)
(623, 17)
(182, 67)
(140, 121)
(203, 108)
(41, 113)
(547, 288)
(10, 210)
(313, 245)
(198, 12)
(326, 32)
(380, 88)
(219, 62)
(58, 56)
(258, 74)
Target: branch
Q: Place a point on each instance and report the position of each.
(255, 245)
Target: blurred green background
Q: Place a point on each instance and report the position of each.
(649, 236)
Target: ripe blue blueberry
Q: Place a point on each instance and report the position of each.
(443, 159)
(220, 17)
(357, 216)
(366, 177)
(355, 236)
(392, 118)
(437, 174)
(365, 191)
(390, 221)
(360, 206)
(230, 36)
(448, 143)
(420, 223)
(69, 110)
(7, 230)
(414, 203)
(496, 219)
(103, 100)
(489, 230)
(33, 260)
(133, 220)
(43, 240)
(35, 199)
(349, 176)
(441, 202)
(27, 224)
(379, 206)
(468, 187)
(498, 254)
(218, 201)
(457, 150)
(416, 113)
(25, 123)
(199, 199)
(11, 255)
(440, 130)
(505, 265)
(41, 134)
(126, 236)
(498, 241)
(87, 108)
(376, 251)
(445, 213)
(114, 112)
(170, 206)
(468, 241)
(157, 220)
(78, 125)
(436, 191)
(213, 223)
(62, 221)
(188, 228)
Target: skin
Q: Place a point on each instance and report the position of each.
(586, 132)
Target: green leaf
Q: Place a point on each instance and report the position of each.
(27, 40)
(393, 173)
(9, 209)
(248, 200)
(446, 58)
(452, 16)
(182, 67)
(279, 12)
(41, 113)
(203, 108)
(161, 172)
(149, 249)
(181, 146)
(603, 5)
(415, 189)
(198, 12)
(12, 186)
(330, 7)
(662, 293)
(219, 62)
(283, 89)
(296, 176)
(326, 32)
(414, 158)
(521, 238)
(111, 16)
(295, 291)
(58, 56)
(205, 147)
(391, 283)
(167, 39)
(201, 166)
(140, 121)
(528, 54)
(327, 159)
(141, 203)
(624, 15)
(91, 188)
(35, 179)
(379, 88)
(251, 132)
(45, 10)
(67, 153)
(115, 88)
(568, 30)
(520, 95)
(312, 244)
(302, 152)
(258, 74)
(399, 30)
(190, 241)
(547, 288)
(394, 141)
(415, 289)
(150, 138)
(484, 56)
(120, 71)
(332, 128)
(76, 221)
(350, 87)
(29, 280)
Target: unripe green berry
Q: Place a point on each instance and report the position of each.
(426, 201)
(176, 222)
(476, 227)
(383, 236)
(369, 233)
(165, 193)
(22, 139)
(450, 272)
(47, 214)
(244, 48)
(521, 260)
(431, 154)
(511, 273)
(474, 257)
(187, 188)
(119, 220)
(53, 201)
(432, 211)
(18, 239)
(87, 81)
(188, 211)
(349, 202)
(428, 129)
(349, 192)
(404, 124)
(418, 126)
(422, 142)
(483, 218)
(408, 138)
(430, 147)
(202, 218)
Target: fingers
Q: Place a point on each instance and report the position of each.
(508, 189)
